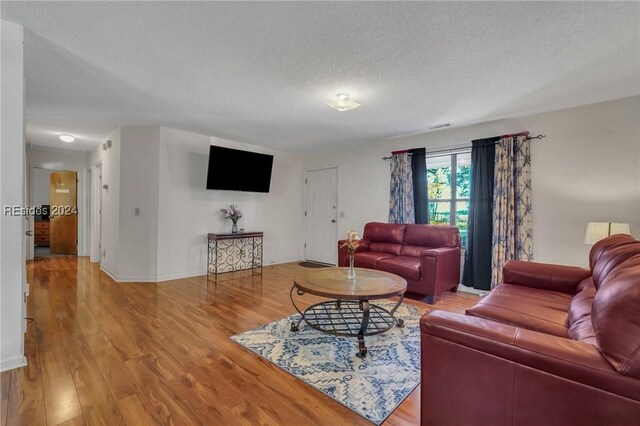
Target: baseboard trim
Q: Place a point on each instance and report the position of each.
(167, 277)
(109, 273)
(11, 363)
(181, 275)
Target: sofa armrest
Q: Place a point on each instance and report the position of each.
(343, 254)
(544, 276)
(440, 271)
(572, 360)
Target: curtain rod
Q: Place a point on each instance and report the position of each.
(464, 148)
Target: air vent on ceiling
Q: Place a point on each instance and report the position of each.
(439, 126)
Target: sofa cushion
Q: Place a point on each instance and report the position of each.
(389, 248)
(384, 232)
(413, 251)
(615, 313)
(604, 245)
(580, 325)
(549, 298)
(405, 266)
(369, 259)
(432, 236)
(534, 309)
(609, 261)
(544, 276)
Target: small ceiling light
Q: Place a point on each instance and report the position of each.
(343, 103)
(67, 138)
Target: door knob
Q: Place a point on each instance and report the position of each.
(333, 221)
(29, 233)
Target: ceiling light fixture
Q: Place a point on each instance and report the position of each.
(343, 103)
(67, 138)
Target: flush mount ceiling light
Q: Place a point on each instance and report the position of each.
(343, 103)
(67, 138)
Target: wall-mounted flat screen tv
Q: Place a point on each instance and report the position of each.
(235, 170)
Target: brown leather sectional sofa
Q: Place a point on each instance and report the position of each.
(552, 345)
(427, 256)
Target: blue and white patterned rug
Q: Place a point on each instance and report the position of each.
(373, 387)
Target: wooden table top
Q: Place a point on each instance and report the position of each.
(333, 283)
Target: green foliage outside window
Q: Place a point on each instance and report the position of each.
(439, 187)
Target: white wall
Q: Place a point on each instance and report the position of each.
(94, 210)
(586, 169)
(139, 173)
(38, 159)
(163, 172)
(12, 170)
(40, 182)
(187, 211)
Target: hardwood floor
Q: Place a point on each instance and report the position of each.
(109, 353)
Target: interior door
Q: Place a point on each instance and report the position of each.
(63, 197)
(321, 215)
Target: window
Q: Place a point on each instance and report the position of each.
(448, 183)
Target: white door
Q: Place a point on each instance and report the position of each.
(321, 215)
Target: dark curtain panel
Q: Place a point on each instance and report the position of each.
(477, 263)
(420, 197)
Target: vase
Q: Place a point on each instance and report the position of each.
(234, 227)
(352, 272)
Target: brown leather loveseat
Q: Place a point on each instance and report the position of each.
(551, 345)
(427, 256)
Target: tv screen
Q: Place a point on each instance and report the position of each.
(235, 170)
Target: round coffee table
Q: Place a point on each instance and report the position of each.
(349, 313)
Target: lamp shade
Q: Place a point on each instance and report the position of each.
(599, 230)
(620, 228)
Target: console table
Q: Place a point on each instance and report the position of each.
(234, 252)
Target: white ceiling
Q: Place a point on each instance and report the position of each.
(260, 73)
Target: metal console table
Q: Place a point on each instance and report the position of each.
(234, 252)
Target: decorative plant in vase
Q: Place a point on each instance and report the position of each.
(351, 243)
(234, 214)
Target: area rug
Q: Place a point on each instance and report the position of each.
(372, 387)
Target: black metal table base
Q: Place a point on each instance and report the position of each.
(348, 318)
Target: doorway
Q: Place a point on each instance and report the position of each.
(63, 217)
(55, 196)
(321, 215)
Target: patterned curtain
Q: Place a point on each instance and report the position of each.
(401, 198)
(512, 218)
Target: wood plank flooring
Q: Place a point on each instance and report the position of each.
(106, 353)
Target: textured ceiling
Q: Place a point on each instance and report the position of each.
(260, 73)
